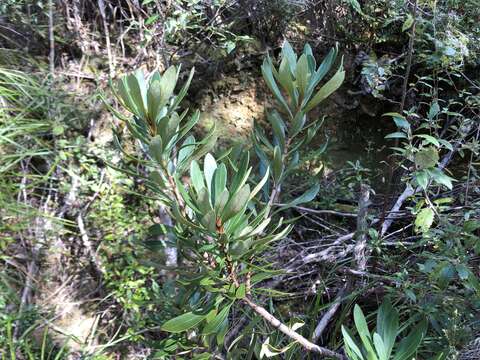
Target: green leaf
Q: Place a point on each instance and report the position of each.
(239, 248)
(320, 73)
(209, 167)
(434, 110)
(396, 135)
(409, 345)
(387, 326)
(156, 148)
(241, 292)
(424, 219)
(196, 176)
(407, 23)
(380, 347)
(221, 200)
(136, 92)
(352, 348)
(326, 90)
(356, 6)
(284, 77)
(302, 74)
(126, 96)
(426, 158)
(152, 19)
(277, 164)
(429, 139)
(236, 203)
(289, 54)
(183, 322)
(298, 123)
(259, 186)
(470, 226)
(307, 196)
(184, 90)
(167, 83)
(463, 271)
(214, 326)
(219, 181)
(399, 120)
(209, 221)
(422, 178)
(278, 127)
(439, 177)
(272, 85)
(362, 328)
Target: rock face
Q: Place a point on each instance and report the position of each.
(233, 104)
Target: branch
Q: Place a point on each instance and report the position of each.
(322, 324)
(306, 344)
(51, 37)
(360, 259)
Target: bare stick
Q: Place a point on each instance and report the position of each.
(322, 324)
(277, 324)
(362, 224)
(51, 37)
(360, 259)
(111, 66)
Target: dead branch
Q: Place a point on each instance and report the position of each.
(306, 344)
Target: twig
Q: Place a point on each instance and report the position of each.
(327, 212)
(362, 224)
(51, 37)
(359, 255)
(306, 344)
(111, 65)
(322, 324)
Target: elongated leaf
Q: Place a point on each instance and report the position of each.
(289, 54)
(380, 347)
(320, 73)
(387, 326)
(422, 178)
(137, 93)
(219, 182)
(196, 176)
(277, 164)
(183, 91)
(154, 99)
(272, 85)
(278, 127)
(156, 148)
(429, 139)
(214, 326)
(209, 167)
(396, 135)
(441, 178)
(409, 345)
(167, 83)
(326, 90)
(302, 74)
(259, 186)
(351, 347)
(126, 97)
(183, 322)
(362, 328)
(237, 203)
(307, 196)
